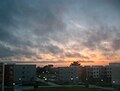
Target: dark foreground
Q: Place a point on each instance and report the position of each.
(67, 89)
(61, 89)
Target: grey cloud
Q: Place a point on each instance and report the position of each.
(102, 34)
(116, 44)
(24, 22)
(5, 51)
(59, 61)
(53, 49)
(42, 16)
(68, 54)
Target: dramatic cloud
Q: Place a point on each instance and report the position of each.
(103, 38)
(28, 24)
(59, 30)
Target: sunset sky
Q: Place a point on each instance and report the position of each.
(60, 31)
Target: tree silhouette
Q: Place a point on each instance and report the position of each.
(75, 63)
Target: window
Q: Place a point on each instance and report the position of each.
(23, 76)
(11, 67)
(11, 72)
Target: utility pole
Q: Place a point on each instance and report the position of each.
(3, 71)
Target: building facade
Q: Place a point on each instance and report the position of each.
(93, 72)
(70, 74)
(115, 73)
(96, 74)
(17, 74)
(9, 74)
(90, 74)
(24, 74)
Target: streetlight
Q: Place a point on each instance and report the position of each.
(13, 84)
(20, 81)
(76, 77)
(39, 76)
(45, 79)
(71, 78)
(101, 80)
(86, 80)
(113, 82)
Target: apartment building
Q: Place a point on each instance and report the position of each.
(107, 72)
(18, 73)
(24, 74)
(93, 72)
(115, 73)
(86, 73)
(72, 73)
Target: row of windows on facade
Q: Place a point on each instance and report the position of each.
(98, 68)
(98, 72)
(11, 72)
(98, 75)
(11, 68)
(68, 72)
